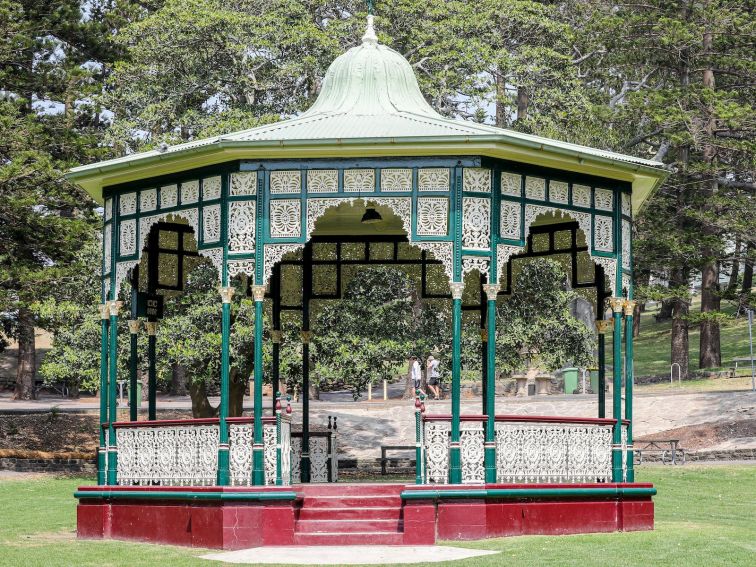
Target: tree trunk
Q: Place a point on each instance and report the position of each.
(501, 107)
(27, 361)
(636, 319)
(200, 404)
(178, 380)
(680, 339)
(409, 388)
(748, 269)
(236, 390)
(732, 285)
(523, 100)
(665, 311)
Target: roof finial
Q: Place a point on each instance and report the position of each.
(370, 37)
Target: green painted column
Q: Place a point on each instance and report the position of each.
(133, 367)
(306, 334)
(258, 470)
(223, 449)
(617, 304)
(103, 449)
(492, 291)
(152, 327)
(629, 308)
(418, 439)
(455, 462)
(602, 326)
(115, 307)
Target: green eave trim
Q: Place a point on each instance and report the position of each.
(646, 178)
(171, 495)
(516, 493)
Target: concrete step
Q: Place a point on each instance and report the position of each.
(347, 526)
(373, 513)
(355, 538)
(349, 489)
(352, 502)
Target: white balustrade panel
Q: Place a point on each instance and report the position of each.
(241, 440)
(296, 460)
(286, 452)
(553, 452)
(471, 443)
(623, 433)
(168, 455)
(437, 439)
(318, 459)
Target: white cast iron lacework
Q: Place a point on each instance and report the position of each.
(241, 226)
(318, 459)
(626, 239)
(535, 188)
(511, 184)
(476, 179)
(356, 180)
(433, 179)
(471, 452)
(603, 199)
(107, 247)
(510, 225)
(211, 223)
(242, 184)
(558, 192)
(436, 438)
(400, 206)
(168, 196)
(269, 452)
(128, 239)
(610, 271)
(285, 182)
(108, 209)
(273, 253)
(168, 455)
(503, 253)
(240, 441)
(558, 453)
(128, 203)
(285, 218)
(211, 188)
(583, 219)
(187, 216)
(476, 223)
(334, 458)
(317, 207)
(189, 192)
(296, 460)
(122, 272)
(470, 263)
(623, 437)
(148, 200)
(627, 208)
(215, 255)
(443, 252)
(581, 196)
(105, 288)
(604, 228)
(236, 267)
(432, 216)
(396, 180)
(627, 282)
(322, 181)
(286, 451)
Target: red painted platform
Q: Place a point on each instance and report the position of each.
(356, 514)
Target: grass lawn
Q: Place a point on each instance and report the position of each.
(705, 516)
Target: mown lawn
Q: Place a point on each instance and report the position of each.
(705, 516)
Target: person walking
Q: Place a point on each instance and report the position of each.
(415, 372)
(431, 371)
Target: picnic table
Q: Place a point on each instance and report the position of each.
(739, 359)
(667, 447)
(385, 448)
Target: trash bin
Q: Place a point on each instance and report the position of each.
(594, 381)
(138, 394)
(570, 380)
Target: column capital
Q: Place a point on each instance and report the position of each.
(491, 290)
(603, 326)
(258, 292)
(456, 289)
(151, 327)
(276, 336)
(617, 304)
(306, 336)
(115, 308)
(226, 293)
(134, 326)
(629, 307)
(105, 310)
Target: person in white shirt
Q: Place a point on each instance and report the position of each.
(415, 372)
(431, 371)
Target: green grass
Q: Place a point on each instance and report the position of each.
(705, 516)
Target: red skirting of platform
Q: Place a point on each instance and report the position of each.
(235, 518)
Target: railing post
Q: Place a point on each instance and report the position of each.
(629, 309)
(258, 463)
(223, 435)
(115, 307)
(617, 456)
(102, 452)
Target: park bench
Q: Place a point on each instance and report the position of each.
(667, 448)
(384, 459)
(740, 360)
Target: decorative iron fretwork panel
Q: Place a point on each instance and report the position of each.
(581, 196)
(286, 451)
(273, 254)
(168, 455)
(443, 252)
(432, 216)
(189, 192)
(322, 181)
(470, 263)
(437, 439)
(241, 226)
(359, 180)
(510, 224)
(610, 270)
(476, 179)
(553, 453)
(476, 223)
(604, 199)
(603, 239)
(236, 267)
(296, 460)
(558, 192)
(148, 200)
(511, 184)
(128, 237)
(433, 179)
(535, 188)
(396, 180)
(282, 182)
(532, 212)
(107, 247)
(240, 441)
(503, 253)
(471, 452)
(623, 437)
(318, 459)
(211, 188)
(269, 453)
(626, 243)
(211, 223)
(122, 271)
(627, 208)
(128, 203)
(190, 216)
(108, 209)
(243, 184)
(285, 218)
(215, 255)
(168, 196)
